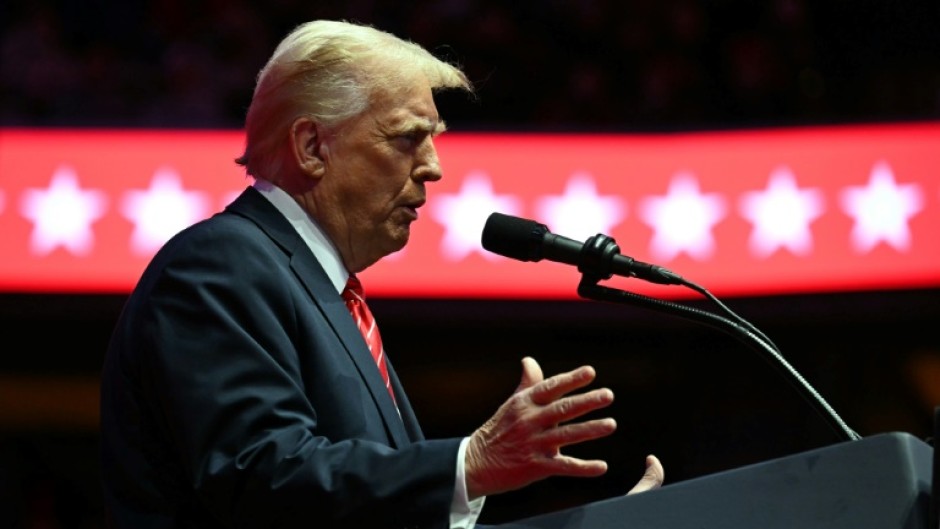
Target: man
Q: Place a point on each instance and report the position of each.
(238, 391)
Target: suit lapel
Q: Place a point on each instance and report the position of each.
(336, 313)
(404, 406)
(308, 270)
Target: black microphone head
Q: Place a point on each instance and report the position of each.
(514, 237)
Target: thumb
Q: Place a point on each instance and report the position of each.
(531, 374)
(652, 478)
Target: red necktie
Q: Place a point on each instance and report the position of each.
(356, 303)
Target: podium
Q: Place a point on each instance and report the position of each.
(879, 482)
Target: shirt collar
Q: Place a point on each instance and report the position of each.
(311, 233)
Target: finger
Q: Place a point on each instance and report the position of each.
(562, 465)
(652, 478)
(531, 374)
(570, 434)
(569, 408)
(555, 387)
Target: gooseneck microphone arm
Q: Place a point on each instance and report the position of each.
(599, 258)
(597, 250)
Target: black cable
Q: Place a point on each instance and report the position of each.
(589, 289)
(701, 290)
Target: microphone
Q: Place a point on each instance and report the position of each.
(527, 240)
(600, 258)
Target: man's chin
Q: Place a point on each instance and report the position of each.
(403, 241)
(399, 240)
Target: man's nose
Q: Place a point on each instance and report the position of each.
(429, 167)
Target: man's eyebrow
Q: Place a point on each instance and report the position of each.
(429, 125)
(422, 125)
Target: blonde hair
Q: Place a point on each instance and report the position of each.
(329, 70)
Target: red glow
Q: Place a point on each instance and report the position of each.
(526, 168)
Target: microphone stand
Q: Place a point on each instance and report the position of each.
(595, 265)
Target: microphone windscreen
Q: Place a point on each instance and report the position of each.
(514, 237)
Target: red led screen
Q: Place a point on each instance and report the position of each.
(741, 213)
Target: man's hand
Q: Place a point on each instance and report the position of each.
(652, 478)
(522, 442)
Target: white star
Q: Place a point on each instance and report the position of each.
(580, 212)
(464, 214)
(781, 215)
(682, 219)
(161, 211)
(62, 214)
(881, 210)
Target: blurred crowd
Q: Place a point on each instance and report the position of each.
(538, 64)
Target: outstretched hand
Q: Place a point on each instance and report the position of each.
(522, 442)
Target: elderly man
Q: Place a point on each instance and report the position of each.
(246, 384)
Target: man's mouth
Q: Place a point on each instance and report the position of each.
(412, 208)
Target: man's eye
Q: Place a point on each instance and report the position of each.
(409, 139)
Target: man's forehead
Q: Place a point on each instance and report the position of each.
(406, 107)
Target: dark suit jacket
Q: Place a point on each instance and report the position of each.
(238, 392)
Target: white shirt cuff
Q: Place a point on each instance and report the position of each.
(463, 512)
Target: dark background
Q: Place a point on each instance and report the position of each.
(699, 399)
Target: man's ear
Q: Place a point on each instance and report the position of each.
(308, 145)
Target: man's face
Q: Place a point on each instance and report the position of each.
(376, 167)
